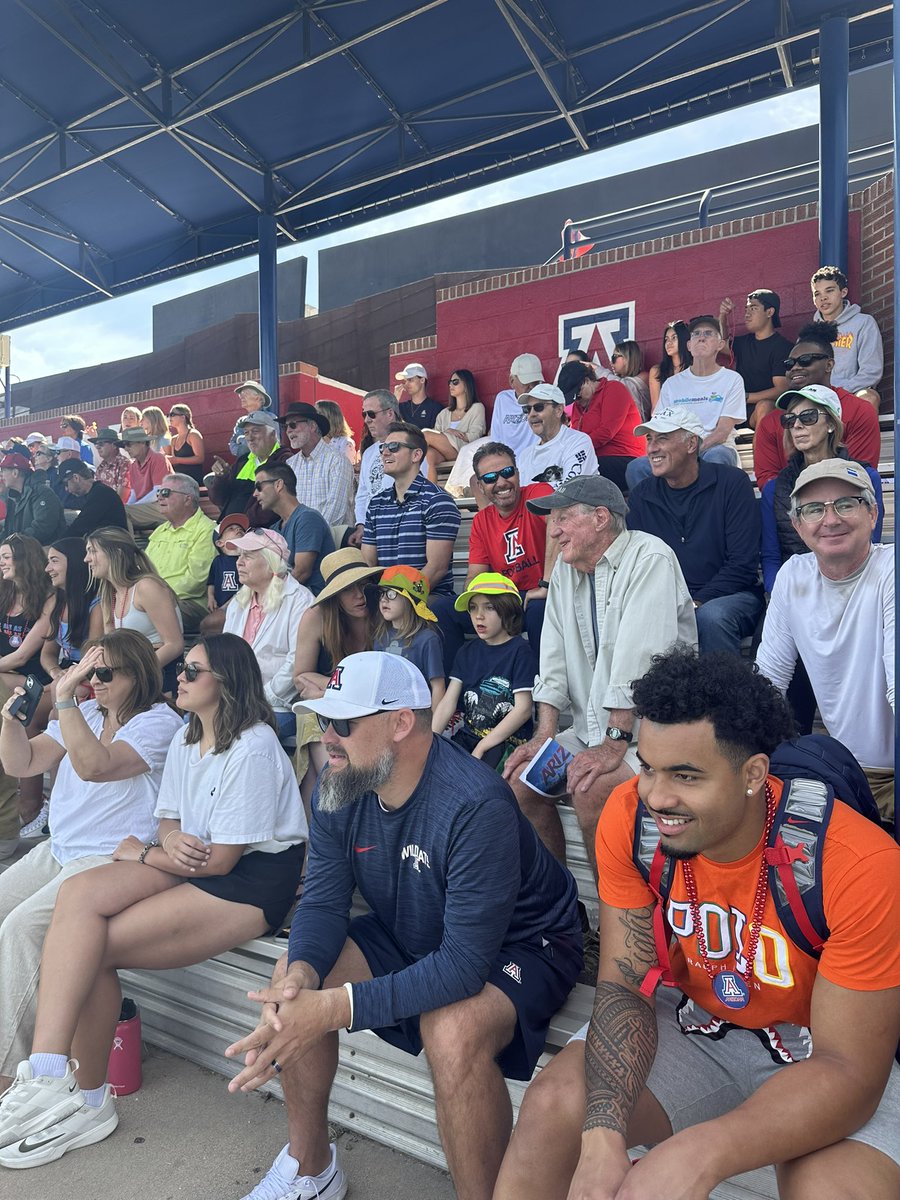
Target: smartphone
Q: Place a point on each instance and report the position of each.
(24, 707)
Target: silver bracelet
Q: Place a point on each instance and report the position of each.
(66, 704)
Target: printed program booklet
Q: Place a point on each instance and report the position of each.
(546, 773)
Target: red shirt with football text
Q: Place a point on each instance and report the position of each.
(514, 546)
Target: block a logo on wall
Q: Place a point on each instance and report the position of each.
(596, 331)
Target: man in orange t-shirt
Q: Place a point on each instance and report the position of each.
(760, 1054)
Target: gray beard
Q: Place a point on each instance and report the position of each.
(338, 789)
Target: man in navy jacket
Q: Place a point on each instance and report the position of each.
(707, 513)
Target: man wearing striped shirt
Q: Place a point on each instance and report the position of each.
(415, 523)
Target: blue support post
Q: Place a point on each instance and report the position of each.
(268, 307)
(896, 74)
(834, 96)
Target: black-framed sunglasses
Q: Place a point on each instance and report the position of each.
(453, 381)
(162, 493)
(493, 476)
(104, 674)
(804, 360)
(342, 726)
(261, 483)
(369, 415)
(296, 422)
(393, 447)
(191, 670)
(809, 416)
(537, 407)
(616, 357)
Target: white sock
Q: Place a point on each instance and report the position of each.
(93, 1097)
(54, 1065)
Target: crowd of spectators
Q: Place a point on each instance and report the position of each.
(621, 570)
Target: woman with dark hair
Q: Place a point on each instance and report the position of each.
(108, 753)
(676, 357)
(186, 451)
(75, 617)
(223, 867)
(462, 421)
(606, 411)
(25, 606)
(133, 596)
(628, 367)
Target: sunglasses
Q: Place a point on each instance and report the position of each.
(844, 506)
(809, 416)
(493, 476)
(261, 483)
(393, 447)
(295, 424)
(616, 357)
(191, 670)
(370, 416)
(342, 726)
(538, 407)
(104, 674)
(804, 360)
(454, 381)
(163, 492)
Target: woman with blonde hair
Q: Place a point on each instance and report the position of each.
(266, 613)
(153, 422)
(134, 596)
(340, 435)
(130, 418)
(186, 453)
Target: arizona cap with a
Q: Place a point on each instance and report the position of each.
(411, 371)
(594, 490)
(341, 569)
(488, 583)
(542, 391)
(262, 539)
(255, 387)
(834, 468)
(266, 419)
(370, 682)
(825, 397)
(667, 420)
(527, 368)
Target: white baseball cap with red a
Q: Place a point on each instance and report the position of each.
(370, 682)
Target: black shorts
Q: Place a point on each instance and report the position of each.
(537, 978)
(267, 881)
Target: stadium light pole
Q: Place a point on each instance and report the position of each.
(267, 279)
(834, 139)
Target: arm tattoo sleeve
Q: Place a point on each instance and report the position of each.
(638, 936)
(621, 1044)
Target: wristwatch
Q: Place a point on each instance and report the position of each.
(543, 583)
(619, 735)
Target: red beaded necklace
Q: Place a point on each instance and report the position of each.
(732, 987)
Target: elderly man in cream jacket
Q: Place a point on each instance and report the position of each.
(616, 598)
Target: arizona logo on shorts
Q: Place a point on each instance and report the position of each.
(334, 683)
(514, 971)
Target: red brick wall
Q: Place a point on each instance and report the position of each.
(484, 324)
(876, 285)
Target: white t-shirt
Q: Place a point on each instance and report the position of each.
(844, 632)
(508, 424)
(372, 478)
(710, 396)
(569, 454)
(247, 795)
(93, 818)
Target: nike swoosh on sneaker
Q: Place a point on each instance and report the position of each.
(26, 1145)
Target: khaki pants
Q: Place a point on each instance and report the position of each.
(9, 795)
(145, 514)
(27, 896)
(881, 781)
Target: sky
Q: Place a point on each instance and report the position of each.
(118, 328)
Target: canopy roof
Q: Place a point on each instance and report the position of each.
(141, 140)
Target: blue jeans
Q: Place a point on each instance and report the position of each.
(639, 468)
(533, 623)
(722, 623)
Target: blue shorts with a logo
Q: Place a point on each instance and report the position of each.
(537, 979)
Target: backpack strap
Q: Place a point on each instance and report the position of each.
(794, 855)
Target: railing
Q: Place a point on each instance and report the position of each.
(693, 210)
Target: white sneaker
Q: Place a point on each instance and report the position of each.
(81, 1128)
(38, 827)
(34, 1102)
(282, 1182)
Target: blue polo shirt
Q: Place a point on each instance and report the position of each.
(399, 529)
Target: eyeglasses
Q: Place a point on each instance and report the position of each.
(104, 674)
(162, 493)
(393, 447)
(191, 670)
(808, 416)
(804, 360)
(704, 335)
(342, 726)
(390, 593)
(843, 507)
(493, 476)
(370, 416)
(454, 382)
(538, 407)
(261, 483)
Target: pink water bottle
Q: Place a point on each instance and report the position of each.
(124, 1069)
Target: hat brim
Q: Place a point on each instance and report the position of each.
(543, 504)
(345, 579)
(461, 603)
(322, 422)
(335, 710)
